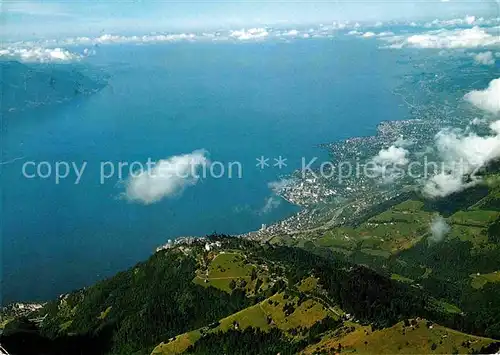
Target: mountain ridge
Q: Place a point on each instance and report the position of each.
(321, 292)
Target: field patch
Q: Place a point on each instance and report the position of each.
(476, 218)
(479, 280)
(227, 271)
(178, 345)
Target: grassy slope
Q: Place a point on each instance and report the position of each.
(269, 314)
(399, 339)
(264, 315)
(403, 225)
(396, 239)
(224, 268)
(387, 236)
(478, 281)
(398, 228)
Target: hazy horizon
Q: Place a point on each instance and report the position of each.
(28, 19)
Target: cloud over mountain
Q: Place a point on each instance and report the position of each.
(474, 37)
(487, 99)
(393, 155)
(39, 54)
(439, 228)
(464, 153)
(388, 161)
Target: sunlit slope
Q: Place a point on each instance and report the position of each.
(409, 337)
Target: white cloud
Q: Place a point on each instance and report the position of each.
(464, 21)
(463, 155)
(487, 99)
(439, 228)
(388, 162)
(278, 186)
(472, 150)
(447, 39)
(253, 33)
(470, 19)
(49, 44)
(385, 34)
(403, 143)
(445, 184)
(41, 55)
(108, 38)
(166, 178)
(370, 34)
(258, 33)
(478, 121)
(270, 204)
(391, 156)
(291, 33)
(485, 58)
(274, 201)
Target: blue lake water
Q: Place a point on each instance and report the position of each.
(237, 101)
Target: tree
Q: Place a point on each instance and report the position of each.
(232, 284)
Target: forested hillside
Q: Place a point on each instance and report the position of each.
(220, 293)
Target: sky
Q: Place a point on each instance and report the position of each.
(27, 19)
